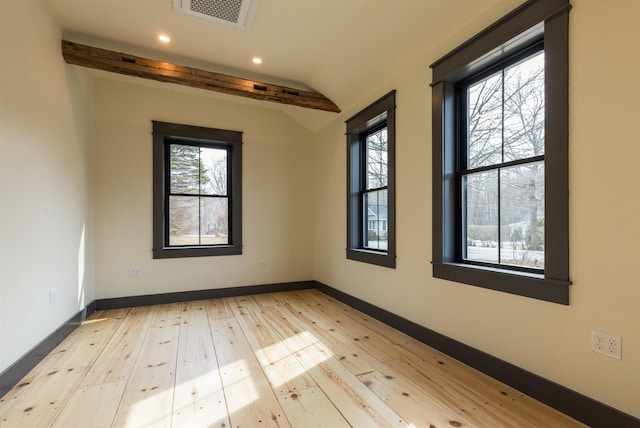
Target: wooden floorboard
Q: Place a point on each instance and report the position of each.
(289, 359)
(198, 396)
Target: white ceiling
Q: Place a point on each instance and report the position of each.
(341, 48)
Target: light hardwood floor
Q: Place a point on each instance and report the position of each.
(298, 359)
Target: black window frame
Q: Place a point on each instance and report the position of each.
(165, 134)
(536, 21)
(378, 115)
(462, 155)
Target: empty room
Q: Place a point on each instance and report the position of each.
(319, 213)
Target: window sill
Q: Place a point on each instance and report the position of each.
(519, 283)
(177, 252)
(372, 257)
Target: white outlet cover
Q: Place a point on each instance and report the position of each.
(608, 344)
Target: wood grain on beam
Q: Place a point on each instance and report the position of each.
(117, 62)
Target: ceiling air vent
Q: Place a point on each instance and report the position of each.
(230, 13)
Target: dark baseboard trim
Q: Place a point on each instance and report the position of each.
(569, 402)
(186, 296)
(12, 374)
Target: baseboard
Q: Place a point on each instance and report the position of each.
(569, 402)
(12, 374)
(187, 296)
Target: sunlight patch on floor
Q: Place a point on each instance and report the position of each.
(239, 384)
(150, 412)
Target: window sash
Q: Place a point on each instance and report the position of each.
(169, 167)
(217, 236)
(529, 256)
(377, 223)
(372, 164)
(490, 253)
(381, 178)
(198, 195)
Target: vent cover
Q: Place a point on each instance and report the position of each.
(230, 13)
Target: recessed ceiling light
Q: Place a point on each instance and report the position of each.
(257, 60)
(164, 39)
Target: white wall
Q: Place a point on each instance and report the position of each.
(45, 229)
(278, 188)
(547, 339)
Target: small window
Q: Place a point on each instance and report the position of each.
(197, 191)
(371, 184)
(500, 156)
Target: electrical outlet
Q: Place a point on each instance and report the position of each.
(53, 296)
(135, 272)
(608, 344)
(263, 264)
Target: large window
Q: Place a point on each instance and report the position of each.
(197, 191)
(371, 183)
(500, 156)
(501, 171)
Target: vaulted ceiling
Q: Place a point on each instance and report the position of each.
(344, 49)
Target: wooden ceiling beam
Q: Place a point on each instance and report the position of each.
(117, 62)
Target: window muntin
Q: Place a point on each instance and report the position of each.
(197, 191)
(502, 164)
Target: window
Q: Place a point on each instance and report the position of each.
(371, 184)
(500, 156)
(501, 171)
(197, 191)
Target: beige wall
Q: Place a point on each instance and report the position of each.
(64, 203)
(45, 227)
(278, 202)
(547, 339)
